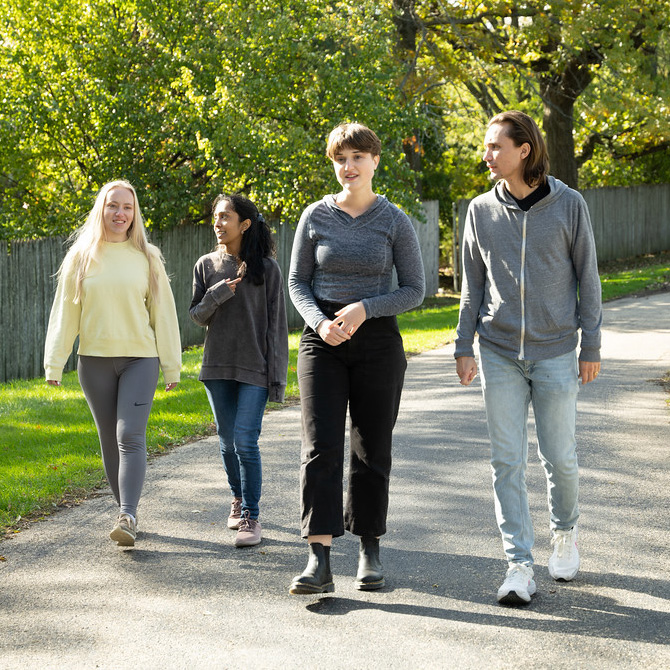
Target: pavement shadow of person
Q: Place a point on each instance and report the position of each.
(573, 608)
(157, 539)
(596, 617)
(154, 540)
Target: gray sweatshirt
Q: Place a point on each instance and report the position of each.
(340, 259)
(530, 279)
(247, 335)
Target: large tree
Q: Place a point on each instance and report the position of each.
(548, 57)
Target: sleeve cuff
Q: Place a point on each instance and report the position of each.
(53, 374)
(276, 393)
(589, 355)
(463, 350)
(171, 376)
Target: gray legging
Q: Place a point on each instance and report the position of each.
(120, 391)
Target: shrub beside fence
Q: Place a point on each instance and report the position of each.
(27, 286)
(626, 221)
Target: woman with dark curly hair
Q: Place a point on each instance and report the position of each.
(238, 295)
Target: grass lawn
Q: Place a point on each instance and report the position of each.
(49, 453)
(641, 275)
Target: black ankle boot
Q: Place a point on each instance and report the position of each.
(317, 577)
(370, 576)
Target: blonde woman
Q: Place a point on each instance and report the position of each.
(114, 293)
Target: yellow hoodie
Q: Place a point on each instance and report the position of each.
(115, 315)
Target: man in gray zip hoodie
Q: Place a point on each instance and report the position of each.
(530, 283)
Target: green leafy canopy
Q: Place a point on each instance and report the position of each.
(187, 99)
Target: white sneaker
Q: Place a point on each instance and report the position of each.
(518, 586)
(564, 562)
(125, 531)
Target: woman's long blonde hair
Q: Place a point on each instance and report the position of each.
(87, 240)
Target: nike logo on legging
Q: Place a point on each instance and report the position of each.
(137, 404)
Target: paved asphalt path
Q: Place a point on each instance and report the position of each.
(185, 597)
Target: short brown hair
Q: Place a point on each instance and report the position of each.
(521, 128)
(353, 136)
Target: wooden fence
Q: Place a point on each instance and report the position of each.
(27, 286)
(626, 222)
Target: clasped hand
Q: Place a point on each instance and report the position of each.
(347, 321)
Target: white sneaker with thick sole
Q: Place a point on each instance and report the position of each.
(518, 586)
(564, 562)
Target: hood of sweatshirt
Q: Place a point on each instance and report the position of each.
(556, 189)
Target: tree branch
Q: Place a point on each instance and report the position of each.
(646, 151)
(479, 18)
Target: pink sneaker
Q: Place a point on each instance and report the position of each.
(235, 513)
(249, 532)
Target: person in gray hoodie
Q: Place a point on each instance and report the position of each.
(530, 285)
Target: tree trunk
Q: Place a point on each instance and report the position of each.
(559, 91)
(406, 24)
(558, 125)
(412, 148)
(407, 28)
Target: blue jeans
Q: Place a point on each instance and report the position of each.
(509, 386)
(238, 411)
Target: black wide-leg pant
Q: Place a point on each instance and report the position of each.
(366, 374)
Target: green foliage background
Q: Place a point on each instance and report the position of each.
(593, 74)
(188, 98)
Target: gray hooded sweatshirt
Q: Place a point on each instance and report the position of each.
(530, 279)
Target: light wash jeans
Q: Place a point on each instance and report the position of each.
(238, 411)
(509, 386)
